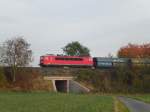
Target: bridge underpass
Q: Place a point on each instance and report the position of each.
(66, 84)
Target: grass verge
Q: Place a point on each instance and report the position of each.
(145, 98)
(119, 106)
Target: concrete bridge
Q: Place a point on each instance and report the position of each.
(66, 84)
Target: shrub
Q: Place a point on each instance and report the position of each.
(30, 80)
(99, 80)
(121, 79)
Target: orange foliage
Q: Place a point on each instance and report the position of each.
(135, 51)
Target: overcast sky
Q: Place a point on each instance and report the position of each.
(102, 25)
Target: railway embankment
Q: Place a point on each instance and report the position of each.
(118, 80)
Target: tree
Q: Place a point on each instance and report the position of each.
(0, 55)
(76, 49)
(17, 53)
(135, 51)
(3, 80)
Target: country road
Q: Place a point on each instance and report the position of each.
(135, 105)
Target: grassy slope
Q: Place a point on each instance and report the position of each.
(145, 98)
(51, 102)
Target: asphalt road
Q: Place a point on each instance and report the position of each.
(135, 105)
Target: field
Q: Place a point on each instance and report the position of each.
(53, 102)
(145, 98)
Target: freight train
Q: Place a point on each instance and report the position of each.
(85, 61)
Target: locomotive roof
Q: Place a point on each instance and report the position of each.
(111, 59)
(65, 56)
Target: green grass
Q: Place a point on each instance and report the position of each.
(145, 98)
(119, 106)
(52, 102)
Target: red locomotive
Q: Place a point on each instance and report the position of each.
(60, 60)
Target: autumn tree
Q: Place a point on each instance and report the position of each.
(76, 49)
(135, 51)
(17, 53)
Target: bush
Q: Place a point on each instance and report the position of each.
(122, 79)
(99, 80)
(30, 80)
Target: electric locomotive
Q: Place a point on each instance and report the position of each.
(61, 60)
